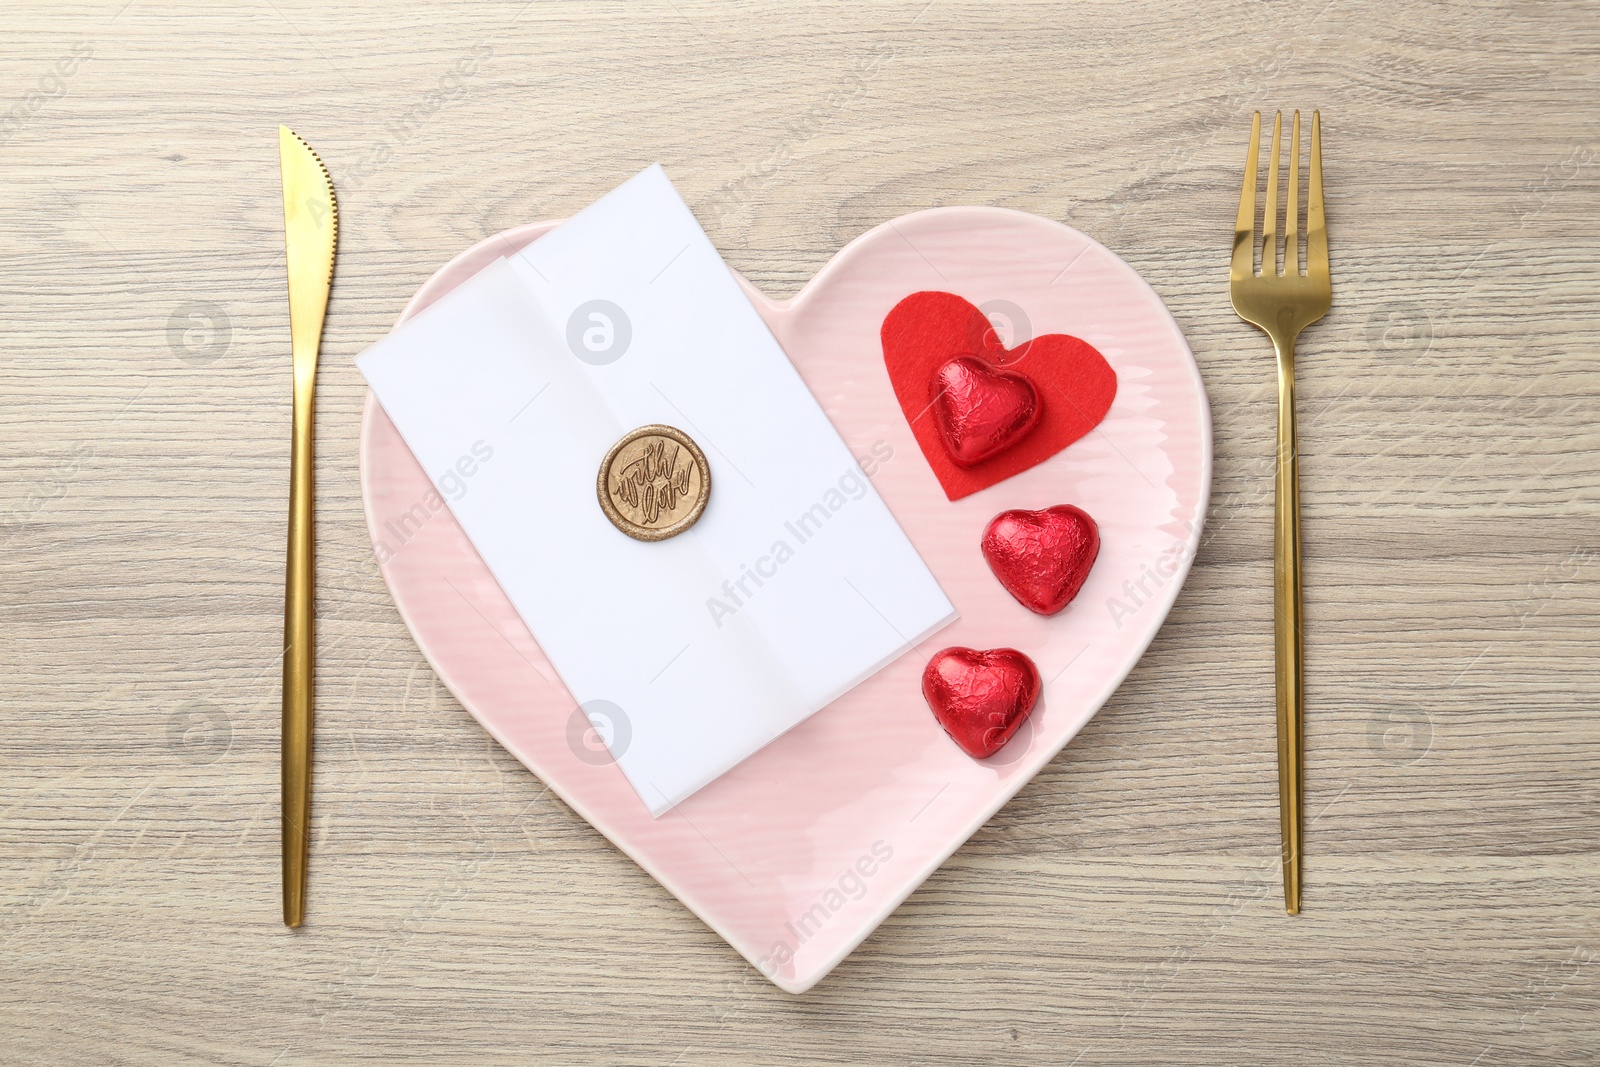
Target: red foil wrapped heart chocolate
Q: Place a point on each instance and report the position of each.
(981, 697)
(1042, 557)
(982, 410)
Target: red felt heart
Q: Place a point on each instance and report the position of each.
(1042, 557)
(981, 697)
(981, 410)
(927, 330)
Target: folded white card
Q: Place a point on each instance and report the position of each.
(689, 654)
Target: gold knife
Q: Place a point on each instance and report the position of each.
(311, 230)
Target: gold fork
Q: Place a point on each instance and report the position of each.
(1284, 302)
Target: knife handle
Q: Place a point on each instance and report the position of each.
(299, 658)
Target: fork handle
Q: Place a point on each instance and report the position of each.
(1288, 632)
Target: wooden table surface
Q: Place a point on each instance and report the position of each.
(1125, 908)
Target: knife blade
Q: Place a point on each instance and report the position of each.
(311, 233)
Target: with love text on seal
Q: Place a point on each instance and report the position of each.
(654, 483)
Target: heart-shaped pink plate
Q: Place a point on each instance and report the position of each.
(797, 854)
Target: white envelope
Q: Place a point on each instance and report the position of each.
(692, 653)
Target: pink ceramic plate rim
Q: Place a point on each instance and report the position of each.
(777, 313)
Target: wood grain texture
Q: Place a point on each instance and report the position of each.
(1125, 907)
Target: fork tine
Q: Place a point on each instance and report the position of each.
(1269, 220)
(1291, 214)
(1244, 230)
(1316, 222)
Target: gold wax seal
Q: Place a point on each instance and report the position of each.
(654, 483)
